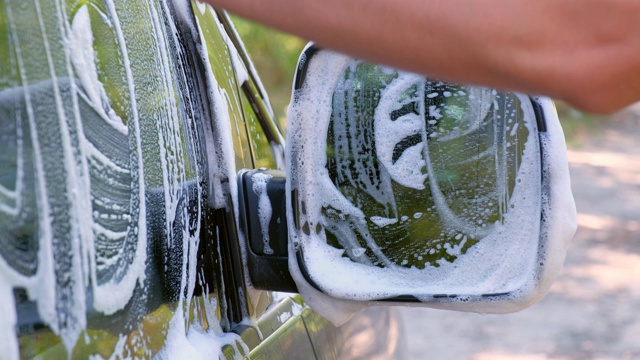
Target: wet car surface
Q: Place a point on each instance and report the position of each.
(123, 126)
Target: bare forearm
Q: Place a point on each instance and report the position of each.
(406, 36)
(583, 51)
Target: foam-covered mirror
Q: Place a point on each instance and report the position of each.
(408, 189)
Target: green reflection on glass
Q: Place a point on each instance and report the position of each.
(431, 164)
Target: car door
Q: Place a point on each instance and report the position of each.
(122, 126)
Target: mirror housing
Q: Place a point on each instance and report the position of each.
(262, 208)
(407, 190)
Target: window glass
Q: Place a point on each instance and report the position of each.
(219, 58)
(259, 142)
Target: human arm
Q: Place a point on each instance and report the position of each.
(583, 51)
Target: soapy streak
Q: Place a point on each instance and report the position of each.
(349, 137)
(12, 278)
(189, 274)
(394, 126)
(70, 302)
(45, 266)
(473, 119)
(81, 45)
(101, 113)
(124, 288)
(450, 219)
(331, 196)
(260, 182)
(14, 196)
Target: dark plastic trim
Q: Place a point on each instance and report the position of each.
(266, 271)
(303, 65)
(539, 112)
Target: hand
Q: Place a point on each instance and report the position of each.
(586, 52)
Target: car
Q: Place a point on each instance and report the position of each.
(150, 209)
(123, 125)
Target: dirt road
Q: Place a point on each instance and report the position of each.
(593, 309)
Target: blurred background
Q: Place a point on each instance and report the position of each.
(592, 311)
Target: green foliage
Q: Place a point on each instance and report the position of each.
(275, 55)
(577, 126)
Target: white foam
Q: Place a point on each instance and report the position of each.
(260, 182)
(8, 347)
(408, 169)
(68, 325)
(198, 343)
(115, 294)
(284, 317)
(382, 221)
(83, 58)
(242, 75)
(200, 5)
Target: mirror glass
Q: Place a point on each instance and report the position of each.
(411, 189)
(431, 165)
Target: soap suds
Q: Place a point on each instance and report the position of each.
(382, 221)
(260, 182)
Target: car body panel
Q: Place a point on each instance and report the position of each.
(122, 126)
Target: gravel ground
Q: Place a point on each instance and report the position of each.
(593, 309)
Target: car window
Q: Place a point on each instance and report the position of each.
(115, 180)
(219, 57)
(260, 144)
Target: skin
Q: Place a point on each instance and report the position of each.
(586, 52)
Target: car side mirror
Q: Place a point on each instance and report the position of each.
(405, 190)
